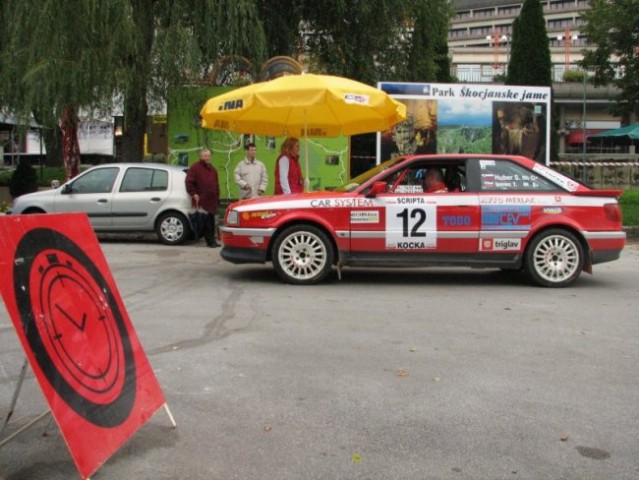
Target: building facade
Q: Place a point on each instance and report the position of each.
(479, 45)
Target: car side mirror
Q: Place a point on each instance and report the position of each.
(376, 189)
(67, 189)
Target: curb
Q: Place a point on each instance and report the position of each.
(632, 233)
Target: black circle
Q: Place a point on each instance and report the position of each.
(30, 246)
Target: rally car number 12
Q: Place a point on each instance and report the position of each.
(497, 211)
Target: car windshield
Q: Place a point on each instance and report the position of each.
(353, 183)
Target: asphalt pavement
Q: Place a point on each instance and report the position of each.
(385, 374)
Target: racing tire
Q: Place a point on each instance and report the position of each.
(172, 228)
(554, 258)
(302, 255)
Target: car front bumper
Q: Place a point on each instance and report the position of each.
(240, 255)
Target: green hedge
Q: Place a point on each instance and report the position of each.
(630, 207)
(44, 175)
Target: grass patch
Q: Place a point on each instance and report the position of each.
(629, 202)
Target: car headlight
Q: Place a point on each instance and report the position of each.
(233, 218)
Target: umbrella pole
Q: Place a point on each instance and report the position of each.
(307, 181)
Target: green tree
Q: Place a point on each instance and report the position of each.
(50, 58)
(613, 27)
(428, 59)
(530, 62)
(362, 40)
(131, 52)
(281, 20)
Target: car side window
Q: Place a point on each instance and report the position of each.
(502, 175)
(96, 181)
(144, 180)
(411, 179)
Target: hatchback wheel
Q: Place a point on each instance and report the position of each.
(302, 255)
(172, 228)
(554, 258)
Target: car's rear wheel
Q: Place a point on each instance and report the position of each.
(172, 228)
(302, 255)
(554, 258)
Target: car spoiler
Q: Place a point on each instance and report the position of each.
(598, 193)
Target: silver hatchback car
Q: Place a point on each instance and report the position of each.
(121, 197)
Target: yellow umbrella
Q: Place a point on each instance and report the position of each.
(305, 105)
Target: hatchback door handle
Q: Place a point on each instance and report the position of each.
(155, 199)
(102, 200)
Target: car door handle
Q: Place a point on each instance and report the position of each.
(102, 200)
(156, 199)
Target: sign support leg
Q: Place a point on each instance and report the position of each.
(16, 392)
(14, 401)
(168, 412)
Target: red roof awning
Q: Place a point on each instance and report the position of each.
(576, 137)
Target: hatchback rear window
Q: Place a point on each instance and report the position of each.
(144, 180)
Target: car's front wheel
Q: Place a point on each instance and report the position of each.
(172, 228)
(554, 258)
(302, 255)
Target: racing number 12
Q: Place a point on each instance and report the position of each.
(420, 217)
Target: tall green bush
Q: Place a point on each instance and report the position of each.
(24, 179)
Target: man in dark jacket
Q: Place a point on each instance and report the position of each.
(203, 187)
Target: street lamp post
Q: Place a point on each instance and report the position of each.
(583, 130)
(567, 39)
(496, 40)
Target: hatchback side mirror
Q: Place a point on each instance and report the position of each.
(376, 189)
(67, 189)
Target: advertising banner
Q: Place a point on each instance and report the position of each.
(469, 118)
(76, 333)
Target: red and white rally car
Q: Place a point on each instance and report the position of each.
(499, 211)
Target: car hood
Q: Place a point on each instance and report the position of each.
(35, 198)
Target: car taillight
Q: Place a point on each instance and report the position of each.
(613, 212)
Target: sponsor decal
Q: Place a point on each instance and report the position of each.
(313, 132)
(486, 163)
(342, 203)
(231, 105)
(456, 220)
(354, 98)
(365, 216)
(262, 215)
(499, 244)
(409, 189)
(556, 177)
(409, 200)
(515, 217)
(507, 200)
(553, 210)
(221, 125)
